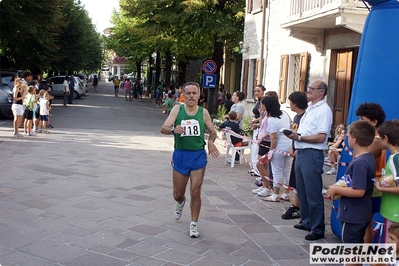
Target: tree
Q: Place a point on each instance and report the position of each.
(48, 35)
(29, 32)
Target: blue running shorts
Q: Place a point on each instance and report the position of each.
(186, 161)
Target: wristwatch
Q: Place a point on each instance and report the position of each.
(173, 129)
(299, 138)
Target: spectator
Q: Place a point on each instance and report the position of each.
(95, 83)
(310, 142)
(374, 114)
(354, 209)
(255, 125)
(17, 107)
(71, 84)
(335, 149)
(238, 107)
(281, 163)
(298, 104)
(65, 86)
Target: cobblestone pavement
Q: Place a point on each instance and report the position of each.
(97, 190)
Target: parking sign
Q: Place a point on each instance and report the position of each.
(209, 81)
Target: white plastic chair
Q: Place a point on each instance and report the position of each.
(229, 146)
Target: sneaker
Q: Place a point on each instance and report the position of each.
(194, 231)
(256, 191)
(17, 135)
(265, 192)
(291, 213)
(32, 134)
(50, 126)
(333, 171)
(46, 131)
(179, 210)
(258, 179)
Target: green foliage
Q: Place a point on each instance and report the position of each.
(246, 126)
(54, 35)
(221, 112)
(186, 28)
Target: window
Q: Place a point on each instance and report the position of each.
(293, 74)
(254, 6)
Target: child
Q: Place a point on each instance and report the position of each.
(375, 115)
(389, 139)
(354, 210)
(29, 103)
(393, 238)
(44, 112)
(230, 124)
(169, 103)
(335, 148)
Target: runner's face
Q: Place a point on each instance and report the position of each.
(191, 95)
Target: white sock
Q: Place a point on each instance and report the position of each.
(193, 223)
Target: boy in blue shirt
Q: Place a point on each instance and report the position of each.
(354, 209)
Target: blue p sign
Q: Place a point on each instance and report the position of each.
(209, 81)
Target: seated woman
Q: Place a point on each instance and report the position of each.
(335, 148)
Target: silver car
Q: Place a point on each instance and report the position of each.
(58, 90)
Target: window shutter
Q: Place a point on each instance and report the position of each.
(304, 62)
(257, 78)
(283, 77)
(245, 77)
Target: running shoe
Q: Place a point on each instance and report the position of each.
(194, 231)
(179, 210)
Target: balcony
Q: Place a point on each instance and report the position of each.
(326, 14)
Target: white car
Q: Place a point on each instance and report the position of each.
(58, 90)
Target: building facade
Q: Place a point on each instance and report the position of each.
(288, 43)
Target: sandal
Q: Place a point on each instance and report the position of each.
(272, 198)
(285, 197)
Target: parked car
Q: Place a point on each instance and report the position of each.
(58, 90)
(84, 80)
(5, 101)
(6, 75)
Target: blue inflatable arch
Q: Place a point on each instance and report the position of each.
(377, 74)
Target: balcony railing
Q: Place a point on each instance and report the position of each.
(298, 7)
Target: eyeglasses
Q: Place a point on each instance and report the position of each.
(312, 89)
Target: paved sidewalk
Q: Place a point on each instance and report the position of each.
(97, 190)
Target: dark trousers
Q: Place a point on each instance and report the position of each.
(70, 97)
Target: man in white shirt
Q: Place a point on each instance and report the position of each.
(310, 141)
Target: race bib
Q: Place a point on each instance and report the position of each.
(191, 128)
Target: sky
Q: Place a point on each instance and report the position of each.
(100, 12)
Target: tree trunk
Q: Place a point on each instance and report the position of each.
(149, 77)
(157, 69)
(168, 69)
(182, 72)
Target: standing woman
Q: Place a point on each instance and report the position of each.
(279, 144)
(255, 125)
(17, 107)
(237, 107)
